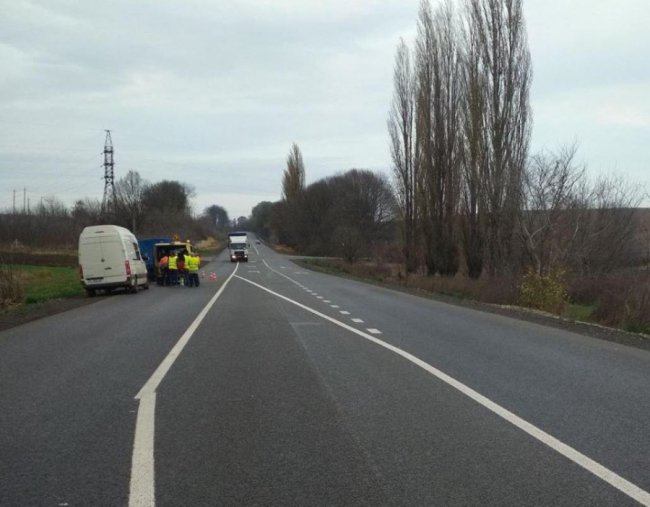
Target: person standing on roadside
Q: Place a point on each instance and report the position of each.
(193, 263)
(172, 267)
(163, 266)
(182, 268)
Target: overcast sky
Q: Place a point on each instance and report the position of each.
(213, 93)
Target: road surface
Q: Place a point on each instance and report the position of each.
(272, 385)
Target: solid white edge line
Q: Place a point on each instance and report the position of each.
(142, 483)
(607, 475)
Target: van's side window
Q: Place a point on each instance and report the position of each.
(137, 252)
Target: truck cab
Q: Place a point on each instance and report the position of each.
(238, 247)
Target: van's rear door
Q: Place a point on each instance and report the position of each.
(102, 259)
(114, 258)
(90, 258)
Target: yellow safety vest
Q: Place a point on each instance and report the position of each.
(193, 263)
(172, 262)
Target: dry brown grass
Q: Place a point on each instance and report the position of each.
(284, 249)
(619, 300)
(210, 244)
(12, 289)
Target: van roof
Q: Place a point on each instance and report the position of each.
(109, 230)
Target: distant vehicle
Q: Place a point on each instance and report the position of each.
(238, 246)
(148, 255)
(109, 258)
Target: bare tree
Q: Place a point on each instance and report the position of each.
(438, 139)
(293, 182)
(609, 222)
(473, 156)
(293, 186)
(550, 220)
(129, 192)
(501, 60)
(401, 130)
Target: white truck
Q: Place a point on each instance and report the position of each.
(109, 257)
(238, 246)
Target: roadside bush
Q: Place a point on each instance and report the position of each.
(621, 299)
(544, 292)
(11, 286)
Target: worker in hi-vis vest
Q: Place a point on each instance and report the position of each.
(173, 269)
(193, 263)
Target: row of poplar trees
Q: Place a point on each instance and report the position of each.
(460, 125)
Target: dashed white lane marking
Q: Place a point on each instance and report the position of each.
(372, 330)
(142, 485)
(326, 301)
(253, 271)
(335, 306)
(344, 312)
(607, 475)
(358, 321)
(319, 297)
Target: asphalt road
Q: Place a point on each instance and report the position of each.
(298, 388)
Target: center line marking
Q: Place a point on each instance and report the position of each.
(372, 330)
(607, 475)
(142, 486)
(335, 306)
(358, 321)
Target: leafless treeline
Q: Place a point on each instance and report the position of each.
(469, 194)
(344, 215)
(161, 208)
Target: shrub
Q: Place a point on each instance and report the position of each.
(622, 299)
(11, 286)
(543, 292)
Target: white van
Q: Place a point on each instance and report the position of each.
(109, 257)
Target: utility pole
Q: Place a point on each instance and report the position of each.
(108, 203)
(14, 206)
(24, 200)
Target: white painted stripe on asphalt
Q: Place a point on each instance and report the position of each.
(326, 301)
(319, 297)
(142, 485)
(372, 330)
(335, 306)
(607, 475)
(358, 321)
(344, 312)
